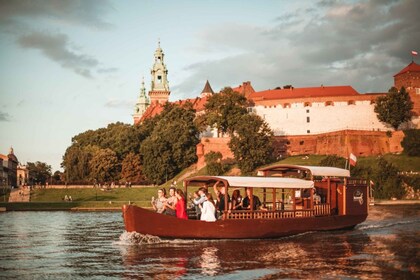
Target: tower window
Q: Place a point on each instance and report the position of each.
(308, 119)
(159, 79)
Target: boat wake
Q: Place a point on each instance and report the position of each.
(134, 238)
(385, 225)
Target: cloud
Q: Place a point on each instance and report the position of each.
(56, 47)
(85, 13)
(362, 44)
(118, 103)
(4, 117)
(19, 18)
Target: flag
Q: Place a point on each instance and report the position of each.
(414, 53)
(352, 159)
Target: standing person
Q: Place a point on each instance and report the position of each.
(256, 203)
(158, 204)
(220, 196)
(180, 206)
(208, 210)
(170, 202)
(236, 200)
(199, 200)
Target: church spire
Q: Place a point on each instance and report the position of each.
(207, 90)
(159, 91)
(141, 104)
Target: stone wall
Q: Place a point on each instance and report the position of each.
(341, 143)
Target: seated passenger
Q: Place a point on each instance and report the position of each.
(170, 203)
(246, 202)
(236, 200)
(220, 196)
(181, 205)
(317, 197)
(208, 209)
(159, 203)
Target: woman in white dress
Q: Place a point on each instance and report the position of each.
(208, 209)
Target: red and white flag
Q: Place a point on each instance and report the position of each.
(414, 53)
(352, 159)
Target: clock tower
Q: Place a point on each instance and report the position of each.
(159, 92)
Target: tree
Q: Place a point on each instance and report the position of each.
(215, 164)
(251, 143)
(394, 108)
(104, 165)
(224, 110)
(388, 183)
(39, 172)
(171, 146)
(131, 168)
(334, 161)
(411, 142)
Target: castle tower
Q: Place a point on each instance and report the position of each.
(159, 92)
(207, 90)
(409, 77)
(141, 104)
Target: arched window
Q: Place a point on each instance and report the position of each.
(307, 104)
(351, 102)
(329, 103)
(372, 101)
(286, 105)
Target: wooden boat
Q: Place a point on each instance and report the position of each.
(292, 207)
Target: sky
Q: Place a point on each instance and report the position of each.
(70, 66)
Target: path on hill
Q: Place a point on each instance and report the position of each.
(19, 195)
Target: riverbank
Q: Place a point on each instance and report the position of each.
(115, 206)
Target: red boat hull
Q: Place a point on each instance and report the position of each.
(144, 221)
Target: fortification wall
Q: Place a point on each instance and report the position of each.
(341, 143)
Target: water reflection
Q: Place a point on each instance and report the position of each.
(209, 262)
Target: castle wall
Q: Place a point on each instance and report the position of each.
(341, 143)
(300, 118)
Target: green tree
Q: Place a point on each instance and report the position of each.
(131, 168)
(225, 109)
(39, 172)
(251, 143)
(104, 165)
(171, 146)
(214, 163)
(394, 108)
(411, 142)
(334, 161)
(388, 183)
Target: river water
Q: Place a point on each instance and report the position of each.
(93, 245)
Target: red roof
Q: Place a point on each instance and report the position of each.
(304, 92)
(412, 67)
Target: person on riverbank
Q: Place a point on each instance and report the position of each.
(170, 203)
(181, 205)
(159, 203)
(208, 209)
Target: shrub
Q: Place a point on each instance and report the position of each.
(215, 165)
(334, 161)
(411, 142)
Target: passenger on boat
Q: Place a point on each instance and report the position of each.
(159, 203)
(220, 196)
(317, 197)
(236, 200)
(246, 202)
(208, 209)
(170, 203)
(199, 198)
(181, 205)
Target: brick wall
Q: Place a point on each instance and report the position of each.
(341, 143)
(411, 81)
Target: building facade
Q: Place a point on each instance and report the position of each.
(9, 169)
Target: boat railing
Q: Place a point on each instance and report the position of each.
(323, 209)
(319, 210)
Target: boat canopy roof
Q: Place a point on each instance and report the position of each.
(324, 171)
(253, 182)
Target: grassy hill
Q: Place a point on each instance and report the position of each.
(91, 198)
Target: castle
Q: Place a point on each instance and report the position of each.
(313, 120)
